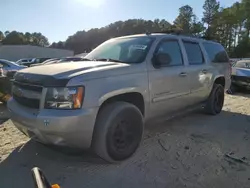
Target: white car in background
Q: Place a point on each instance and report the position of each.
(26, 60)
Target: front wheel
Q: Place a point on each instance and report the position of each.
(118, 131)
(215, 101)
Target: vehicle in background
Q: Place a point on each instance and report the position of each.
(104, 100)
(65, 60)
(45, 62)
(26, 60)
(1, 70)
(68, 59)
(10, 66)
(240, 75)
(34, 61)
(59, 60)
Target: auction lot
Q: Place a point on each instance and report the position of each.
(192, 151)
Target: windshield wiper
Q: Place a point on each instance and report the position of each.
(109, 59)
(86, 59)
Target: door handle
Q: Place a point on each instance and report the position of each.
(183, 74)
(204, 71)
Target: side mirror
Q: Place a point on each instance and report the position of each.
(161, 59)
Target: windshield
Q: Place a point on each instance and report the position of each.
(128, 50)
(242, 64)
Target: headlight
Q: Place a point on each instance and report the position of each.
(64, 98)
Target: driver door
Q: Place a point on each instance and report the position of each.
(169, 82)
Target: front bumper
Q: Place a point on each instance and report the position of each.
(71, 128)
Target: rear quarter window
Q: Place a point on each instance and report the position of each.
(216, 52)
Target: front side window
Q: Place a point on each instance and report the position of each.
(172, 49)
(128, 50)
(194, 53)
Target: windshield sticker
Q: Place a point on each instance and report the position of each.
(139, 47)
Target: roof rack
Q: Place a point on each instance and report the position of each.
(175, 32)
(169, 31)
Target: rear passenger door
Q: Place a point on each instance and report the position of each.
(197, 70)
(168, 83)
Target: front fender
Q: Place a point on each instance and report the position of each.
(117, 92)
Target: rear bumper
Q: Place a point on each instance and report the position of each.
(71, 128)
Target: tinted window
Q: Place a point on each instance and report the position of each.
(194, 53)
(216, 52)
(172, 49)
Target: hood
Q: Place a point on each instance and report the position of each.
(60, 74)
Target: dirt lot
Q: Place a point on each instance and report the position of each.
(186, 152)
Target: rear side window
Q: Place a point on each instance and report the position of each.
(216, 52)
(172, 48)
(194, 53)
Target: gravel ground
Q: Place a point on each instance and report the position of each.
(196, 150)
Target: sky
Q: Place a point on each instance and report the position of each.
(58, 19)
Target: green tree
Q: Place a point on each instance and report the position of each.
(246, 7)
(197, 27)
(184, 19)
(14, 38)
(19, 38)
(6, 33)
(87, 40)
(210, 14)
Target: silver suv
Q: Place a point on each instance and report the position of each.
(103, 101)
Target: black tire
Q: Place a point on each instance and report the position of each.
(215, 101)
(118, 131)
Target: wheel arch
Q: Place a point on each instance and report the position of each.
(133, 97)
(220, 79)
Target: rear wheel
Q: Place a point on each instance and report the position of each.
(118, 131)
(215, 101)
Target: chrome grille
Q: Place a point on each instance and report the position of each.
(27, 95)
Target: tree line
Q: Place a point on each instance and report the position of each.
(19, 38)
(228, 25)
